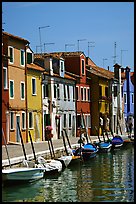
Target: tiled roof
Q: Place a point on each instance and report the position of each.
(35, 67)
(100, 72)
(16, 37)
(58, 54)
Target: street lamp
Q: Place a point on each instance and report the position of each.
(90, 46)
(78, 42)
(104, 60)
(48, 44)
(68, 45)
(121, 55)
(40, 35)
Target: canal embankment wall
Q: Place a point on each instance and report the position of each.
(16, 154)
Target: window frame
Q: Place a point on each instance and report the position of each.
(83, 66)
(22, 83)
(23, 120)
(12, 120)
(11, 97)
(33, 93)
(22, 57)
(125, 98)
(5, 77)
(32, 122)
(10, 47)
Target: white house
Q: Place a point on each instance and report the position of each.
(59, 104)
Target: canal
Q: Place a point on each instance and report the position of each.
(109, 177)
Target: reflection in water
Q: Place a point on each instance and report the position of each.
(107, 177)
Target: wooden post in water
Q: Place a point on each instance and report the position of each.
(22, 141)
(6, 147)
(67, 138)
(52, 147)
(32, 147)
(64, 142)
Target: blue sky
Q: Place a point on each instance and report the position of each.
(103, 23)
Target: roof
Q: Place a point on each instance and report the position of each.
(101, 72)
(58, 55)
(35, 67)
(16, 37)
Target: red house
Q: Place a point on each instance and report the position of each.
(5, 90)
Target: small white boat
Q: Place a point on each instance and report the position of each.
(49, 165)
(21, 174)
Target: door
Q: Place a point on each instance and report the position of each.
(17, 128)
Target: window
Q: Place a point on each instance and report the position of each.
(83, 66)
(85, 94)
(115, 91)
(11, 90)
(88, 94)
(132, 98)
(22, 57)
(5, 77)
(55, 91)
(11, 120)
(64, 86)
(106, 92)
(33, 86)
(68, 92)
(77, 95)
(125, 98)
(58, 92)
(62, 66)
(70, 122)
(89, 121)
(23, 120)
(64, 120)
(73, 93)
(29, 58)
(82, 97)
(45, 90)
(79, 121)
(100, 91)
(11, 55)
(47, 120)
(22, 90)
(30, 120)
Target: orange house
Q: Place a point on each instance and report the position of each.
(16, 114)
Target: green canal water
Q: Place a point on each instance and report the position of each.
(109, 177)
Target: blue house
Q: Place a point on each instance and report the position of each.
(128, 95)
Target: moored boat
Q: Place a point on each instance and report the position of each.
(117, 141)
(21, 175)
(104, 146)
(87, 151)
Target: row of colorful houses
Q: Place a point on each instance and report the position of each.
(44, 93)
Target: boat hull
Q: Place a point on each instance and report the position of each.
(117, 142)
(104, 147)
(21, 174)
(87, 152)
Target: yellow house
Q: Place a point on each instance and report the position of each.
(100, 86)
(34, 101)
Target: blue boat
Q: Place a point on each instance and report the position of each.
(87, 151)
(104, 146)
(117, 141)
